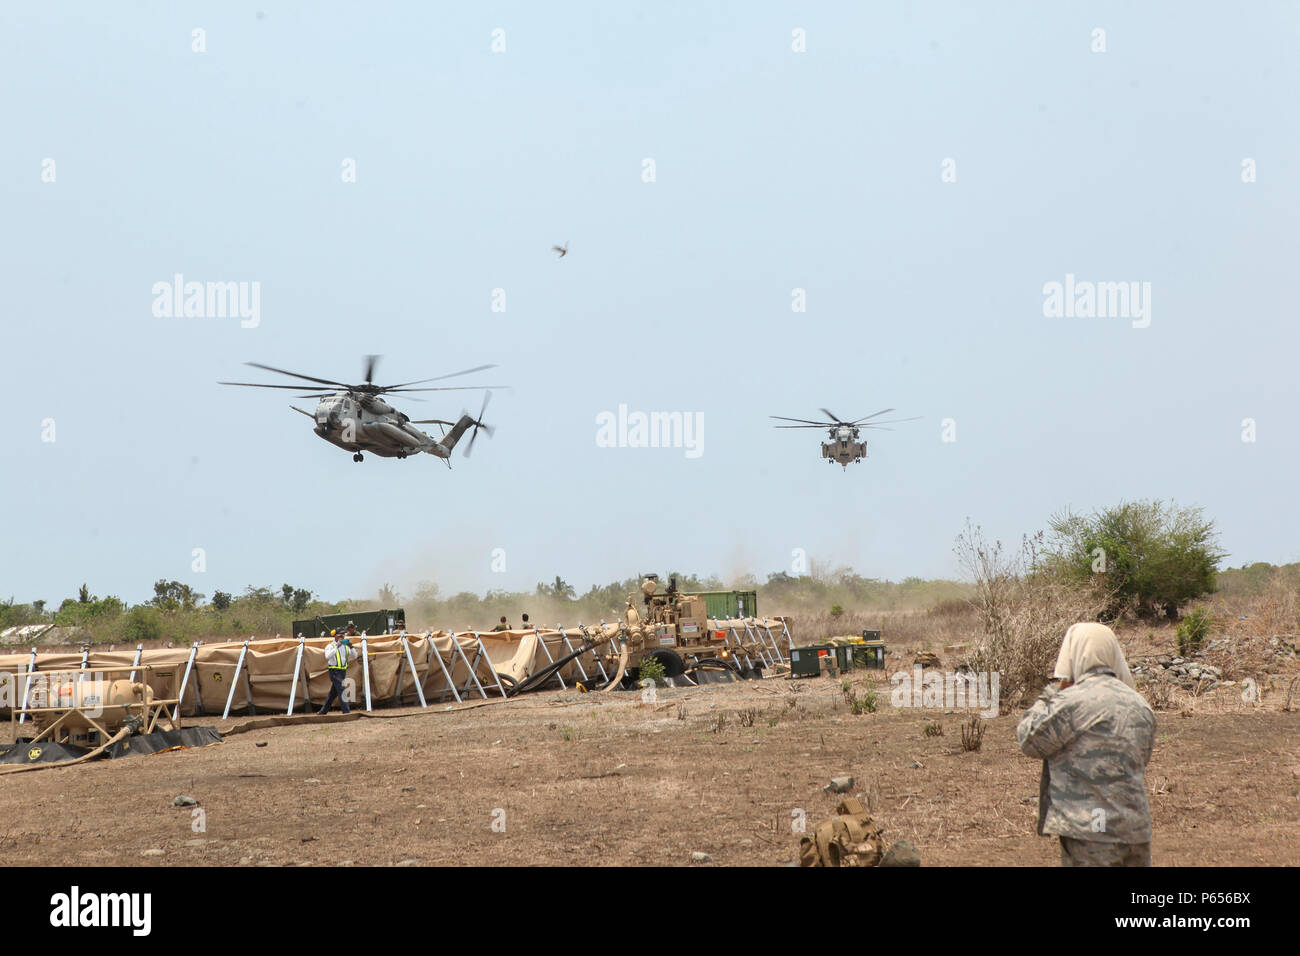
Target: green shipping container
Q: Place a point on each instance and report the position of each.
(730, 603)
(369, 622)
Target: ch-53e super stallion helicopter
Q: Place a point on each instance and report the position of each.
(357, 419)
(844, 446)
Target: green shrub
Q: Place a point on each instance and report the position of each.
(652, 669)
(867, 703)
(1193, 631)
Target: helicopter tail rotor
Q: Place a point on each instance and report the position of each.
(478, 423)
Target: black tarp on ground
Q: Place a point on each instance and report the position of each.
(156, 742)
(710, 675)
(161, 740)
(43, 752)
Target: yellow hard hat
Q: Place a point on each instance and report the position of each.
(332, 632)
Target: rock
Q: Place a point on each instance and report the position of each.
(409, 863)
(901, 853)
(698, 857)
(1179, 660)
(153, 851)
(515, 765)
(927, 659)
(408, 790)
(262, 743)
(183, 801)
(839, 785)
(311, 780)
(914, 765)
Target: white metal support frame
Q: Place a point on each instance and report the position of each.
(185, 681)
(762, 651)
(365, 669)
(482, 652)
(789, 638)
(139, 649)
(419, 691)
(775, 647)
(473, 675)
(594, 655)
(27, 685)
(563, 685)
(297, 665)
(442, 665)
(239, 666)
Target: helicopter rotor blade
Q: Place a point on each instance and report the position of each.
(308, 378)
(893, 421)
(803, 426)
(439, 378)
(805, 421)
(371, 362)
(478, 423)
(831, 415)
(301, 412)
(296, 388)
(881, 412)
(440, 388)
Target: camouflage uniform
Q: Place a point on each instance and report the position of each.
(1092, 853)
(1095, 740)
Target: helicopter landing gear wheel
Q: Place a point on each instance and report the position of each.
(357, 457)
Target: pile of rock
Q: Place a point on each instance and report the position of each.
(1186, 672)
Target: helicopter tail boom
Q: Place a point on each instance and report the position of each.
(444, 448)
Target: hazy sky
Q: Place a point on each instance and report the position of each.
(775, 170)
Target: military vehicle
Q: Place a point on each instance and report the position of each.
(846, 445)
(357, 419)
(674, 630)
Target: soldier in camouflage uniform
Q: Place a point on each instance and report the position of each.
(1094, 735)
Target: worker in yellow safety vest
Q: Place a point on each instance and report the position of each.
(338, 655)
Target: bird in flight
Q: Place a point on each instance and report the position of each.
(562, 250)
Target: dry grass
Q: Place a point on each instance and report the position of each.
(972, 735)
(1024, 612)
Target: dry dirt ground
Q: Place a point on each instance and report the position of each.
(606, 779)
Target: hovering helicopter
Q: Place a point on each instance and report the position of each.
(844, 446)
(357, 419)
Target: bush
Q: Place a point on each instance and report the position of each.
(1153, 556)
(142, 624)
(837, 610)
(1024, 610)
(652, 669)
(1193, 631)
(866, 704)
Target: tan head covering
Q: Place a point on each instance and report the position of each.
(1090, 645)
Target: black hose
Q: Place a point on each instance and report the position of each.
(549, 671)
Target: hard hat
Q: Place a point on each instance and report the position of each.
(332, 632)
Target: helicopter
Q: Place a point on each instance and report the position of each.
(845, 445)
(357, 419)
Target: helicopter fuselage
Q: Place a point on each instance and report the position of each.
(369, 424)
(844, 446)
